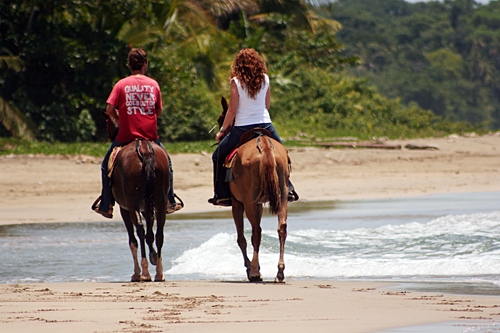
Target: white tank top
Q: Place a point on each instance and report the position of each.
(252, 111)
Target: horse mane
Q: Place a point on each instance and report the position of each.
(269, 177)
(112, 126)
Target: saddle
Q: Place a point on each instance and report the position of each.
(112, 160)
(247, 136)
(116, 150)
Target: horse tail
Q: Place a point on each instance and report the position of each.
(147, 157)
(268, 175)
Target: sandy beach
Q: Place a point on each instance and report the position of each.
(298, 306)
(62, 188)
(51, 189)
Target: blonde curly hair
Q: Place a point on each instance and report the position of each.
(249, 68)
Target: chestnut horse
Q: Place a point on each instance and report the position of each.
(260, 174)
(140, 183)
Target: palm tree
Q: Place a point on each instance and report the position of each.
(12, 118)
(192, 25)
(302, 15)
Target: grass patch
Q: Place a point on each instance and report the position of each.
(22, 147)
(10, 146)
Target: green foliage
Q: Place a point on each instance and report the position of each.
(60, 59)
(17, 146)
(189, 109)
(69, 66)
(447, 62)
(10, 146)
(85, 126)
(317, 103)
(16, 122)
(190, 146)
(282, 43)
(443, 56)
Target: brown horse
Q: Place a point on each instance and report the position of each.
(260, 174)
(140, 183)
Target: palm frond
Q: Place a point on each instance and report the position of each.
(16, 122)
(325, 23)
(224, 7)
(11, 62)
(140, 34)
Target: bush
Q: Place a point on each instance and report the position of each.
(190, 110)
(323, 103)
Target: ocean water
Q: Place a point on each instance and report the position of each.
(447, 241)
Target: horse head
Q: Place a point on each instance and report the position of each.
(112, 126)
(222, 116)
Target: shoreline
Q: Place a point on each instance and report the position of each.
(44, 189)
(51, 189)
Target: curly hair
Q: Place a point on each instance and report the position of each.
(249, 68)
(136, 58)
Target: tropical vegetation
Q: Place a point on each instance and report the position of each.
(59, 60)
(442, 55)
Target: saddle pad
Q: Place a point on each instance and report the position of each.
(228, 162)
(112, 160)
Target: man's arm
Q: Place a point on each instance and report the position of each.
(111, 111)
(159, 104)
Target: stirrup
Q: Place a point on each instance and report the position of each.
(96, 203)
(172, 208)
(226, 202)
(108, 214)
(95, 208)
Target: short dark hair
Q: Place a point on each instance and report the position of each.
(137, 58)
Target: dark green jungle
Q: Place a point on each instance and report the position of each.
(362, 68)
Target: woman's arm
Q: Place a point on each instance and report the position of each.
(268, 97)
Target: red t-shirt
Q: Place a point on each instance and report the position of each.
(138, 100)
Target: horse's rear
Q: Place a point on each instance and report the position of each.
(140, 186)
(260, 175)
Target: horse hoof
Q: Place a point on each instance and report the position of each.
(160, 279)
(135, 278)
(153, 258)
(280, 280)
(248, 273)
(146, 279)
(255, 278)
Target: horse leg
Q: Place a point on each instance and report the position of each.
(237, 210)
(132, 242)
(160, 223)
(136, 220)
(150, 238)
(282, 216)
(254, 215)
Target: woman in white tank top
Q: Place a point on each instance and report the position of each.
(248, 108)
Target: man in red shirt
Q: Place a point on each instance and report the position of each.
(136, 102)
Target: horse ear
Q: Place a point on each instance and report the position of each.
(104, 114)
(223, 102)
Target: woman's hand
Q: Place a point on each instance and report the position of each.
(219, 136)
